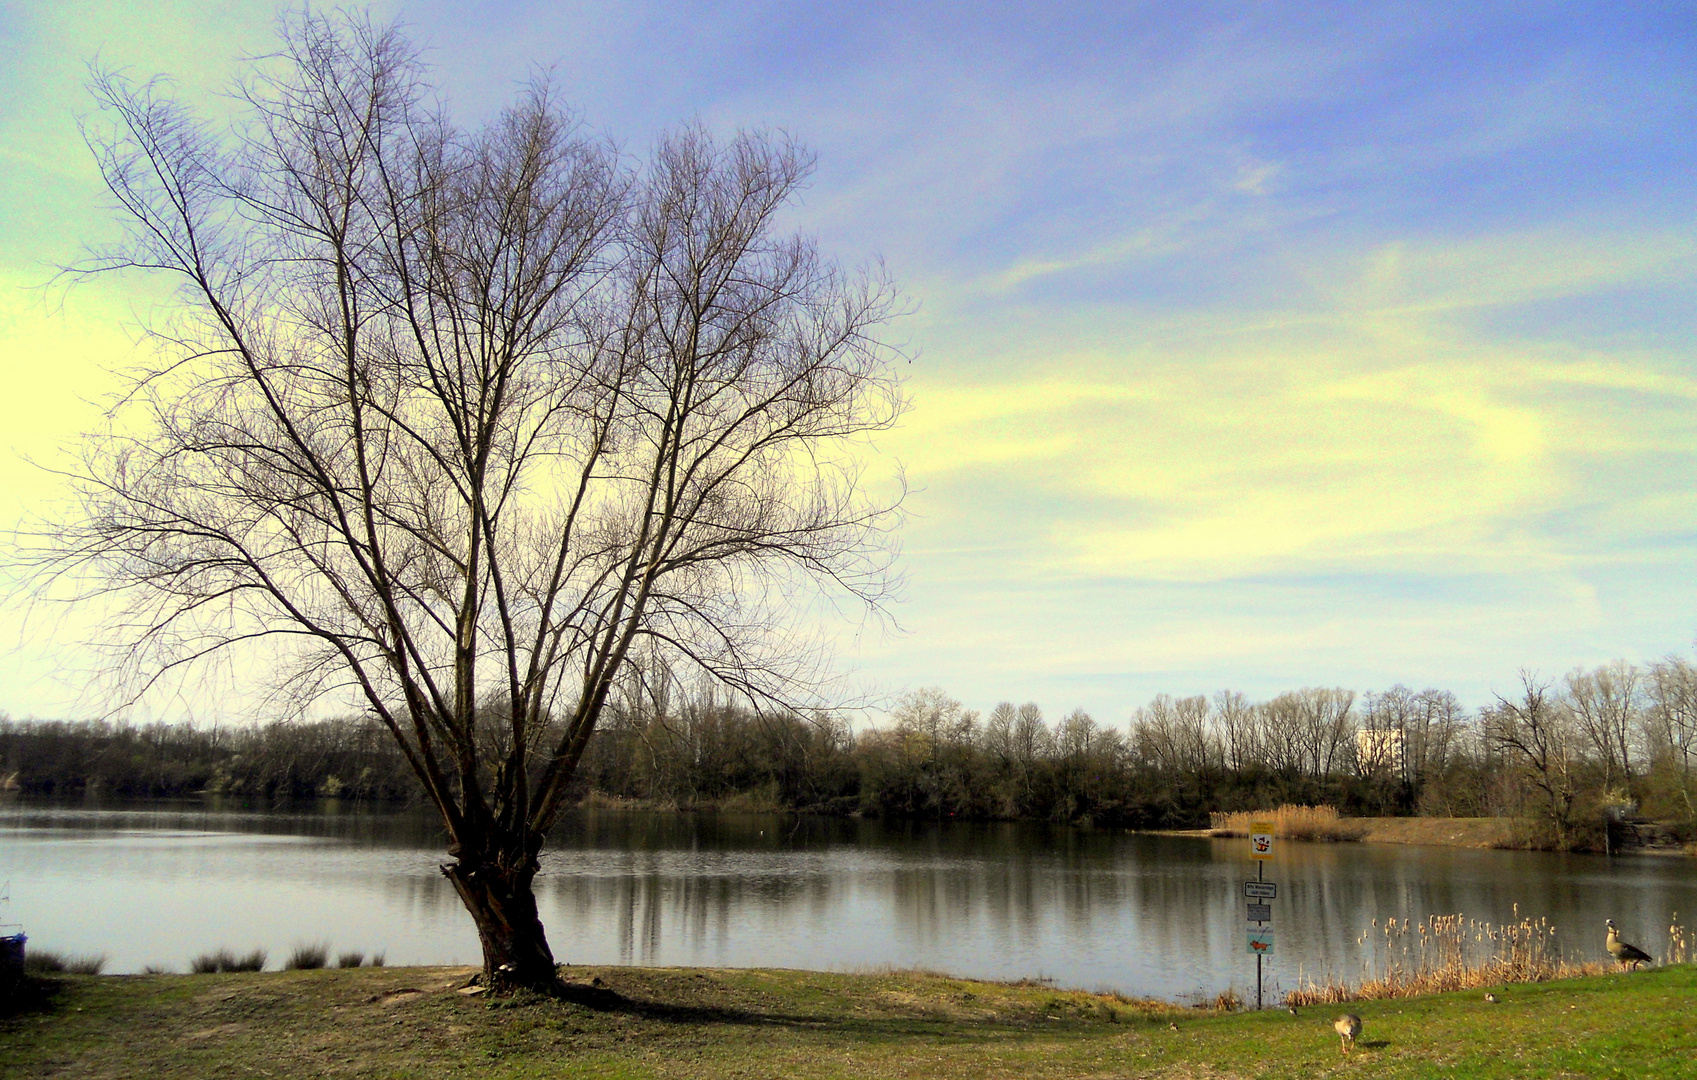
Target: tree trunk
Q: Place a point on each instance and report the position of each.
(503, 905)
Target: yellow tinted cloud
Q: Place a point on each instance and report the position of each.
(56, 362)
(1375, 432)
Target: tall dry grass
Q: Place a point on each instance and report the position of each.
(308, 957)
(1291, 823)
(225, 960)
(1403, 958)
(1679, 944)
(50, 962)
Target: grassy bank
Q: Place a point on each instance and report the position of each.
(644, 1022)
(1442, 831)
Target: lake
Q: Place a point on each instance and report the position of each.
(1095, 908)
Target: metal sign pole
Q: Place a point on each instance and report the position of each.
(1261, 912)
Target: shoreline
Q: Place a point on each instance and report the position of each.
(1481, 834)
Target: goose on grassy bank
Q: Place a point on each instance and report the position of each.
(1348, 1026)
(1629, 956)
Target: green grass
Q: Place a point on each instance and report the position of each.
(409, 1024)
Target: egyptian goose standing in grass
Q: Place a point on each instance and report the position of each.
(1629, 956)
(1348, 1026)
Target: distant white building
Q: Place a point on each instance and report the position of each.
(1379, 751)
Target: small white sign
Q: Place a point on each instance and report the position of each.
(1260, 890)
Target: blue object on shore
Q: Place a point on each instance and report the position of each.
(12, 950)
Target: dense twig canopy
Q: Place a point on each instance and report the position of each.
(460, 418)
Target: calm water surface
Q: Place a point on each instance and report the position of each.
(1148, 915)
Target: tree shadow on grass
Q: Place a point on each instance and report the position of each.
(28, 994)
(605, 999)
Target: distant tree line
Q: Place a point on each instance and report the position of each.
(1565, 756)
(352, 757)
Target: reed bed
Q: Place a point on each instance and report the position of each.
(1291, 822)
(1403, 958)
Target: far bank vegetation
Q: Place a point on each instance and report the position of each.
(1575, 761)
(1290, 823)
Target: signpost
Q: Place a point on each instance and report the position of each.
(1260, 940)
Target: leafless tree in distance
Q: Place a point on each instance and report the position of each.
(455, 420)
(1534, 732)
(1605, 705)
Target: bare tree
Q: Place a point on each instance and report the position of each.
(1237, 732)
(1434, 727)
(1031, 736)
(1535, 733)
(1671, 716)
(1171, 735)
(1309, 732)
(1605, 708)
(458, 420)
(1383, 741)
(937, 735)
(999, 735)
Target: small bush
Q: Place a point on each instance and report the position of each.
(307, 957)
(253, 961)
(350, 959)
(377, 959)
(48, 962)
(157, 969)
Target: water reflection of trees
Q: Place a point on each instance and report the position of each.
(1144, 913)
(1173, 906)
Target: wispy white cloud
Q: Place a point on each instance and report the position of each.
(1369, 432)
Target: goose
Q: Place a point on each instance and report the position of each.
(1630, 956)
(1348, 1026)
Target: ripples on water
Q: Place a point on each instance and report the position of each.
(1151, 915)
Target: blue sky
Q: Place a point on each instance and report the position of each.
(1255, 346)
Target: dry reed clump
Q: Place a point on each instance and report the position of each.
(309, 957)
(1226, 1000)
(49, 962)
(1451, 952)
(1290, 823)
(225, 960)
(1679, 944)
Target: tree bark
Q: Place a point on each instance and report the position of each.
(503, 905)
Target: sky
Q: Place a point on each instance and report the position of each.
(1254, 346)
